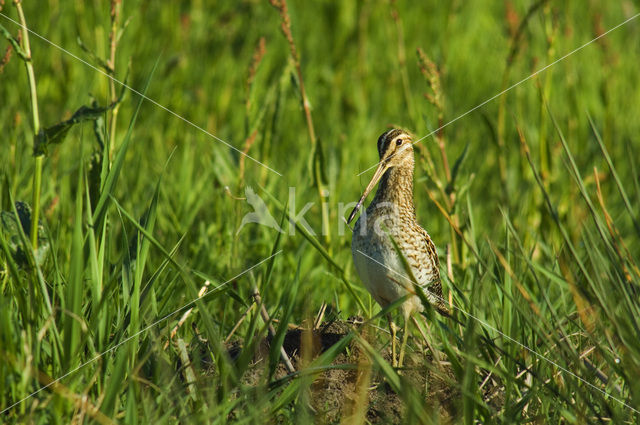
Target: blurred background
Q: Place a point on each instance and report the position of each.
(532, 199)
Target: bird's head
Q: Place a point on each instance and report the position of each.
(395, 149)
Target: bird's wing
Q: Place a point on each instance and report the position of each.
(429, 272)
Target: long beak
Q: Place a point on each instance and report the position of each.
(382, 167)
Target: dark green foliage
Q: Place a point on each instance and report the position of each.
(15, 225)
(140, 295)
(56, 133)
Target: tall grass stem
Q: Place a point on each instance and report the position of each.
(35, 115)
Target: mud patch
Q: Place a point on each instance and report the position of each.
(354, 386)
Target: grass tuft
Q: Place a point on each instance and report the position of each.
(137, 287)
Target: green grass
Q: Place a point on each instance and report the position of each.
(533, 201)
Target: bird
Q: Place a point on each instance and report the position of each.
(389, 226)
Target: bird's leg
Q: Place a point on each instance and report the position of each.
(434, 352)
(403, 346)
(393, 328)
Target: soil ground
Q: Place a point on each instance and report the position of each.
(355, 384)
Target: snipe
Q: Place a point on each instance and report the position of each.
(391, 216)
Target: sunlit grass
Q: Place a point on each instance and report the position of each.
(532, 201)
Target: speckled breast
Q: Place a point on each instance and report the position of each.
(376, 259)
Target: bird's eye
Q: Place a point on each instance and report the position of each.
(398, 142)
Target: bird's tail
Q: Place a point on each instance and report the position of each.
(442, 308)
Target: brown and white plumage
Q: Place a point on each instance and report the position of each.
(391, 214)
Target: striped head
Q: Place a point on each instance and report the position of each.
(395, 149)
